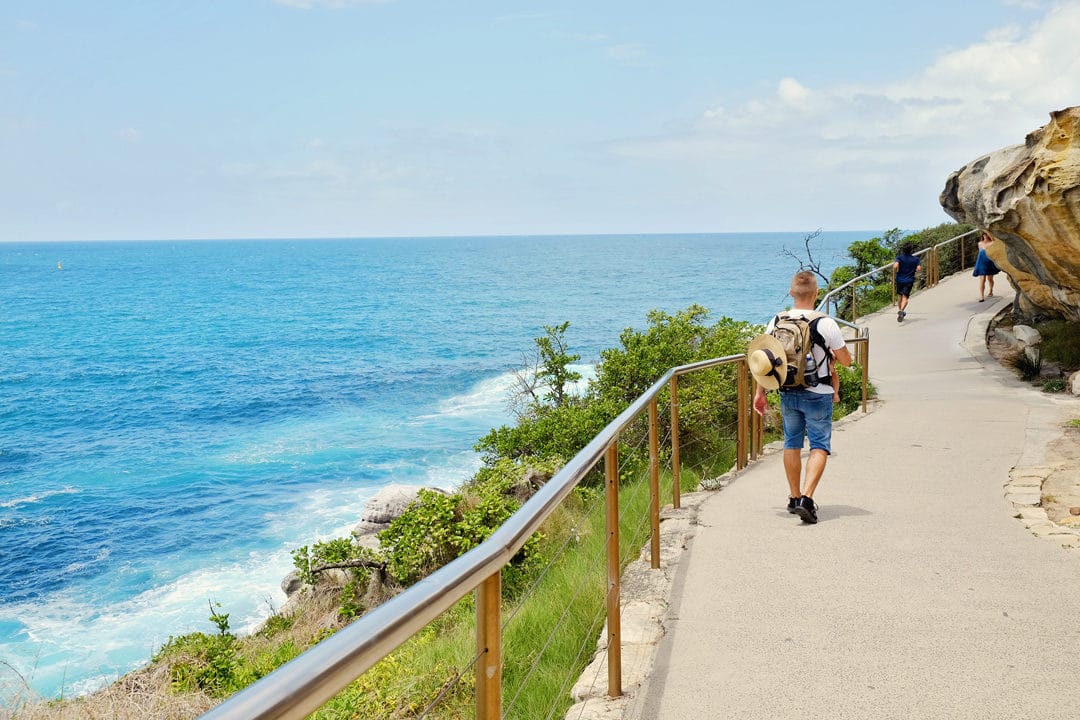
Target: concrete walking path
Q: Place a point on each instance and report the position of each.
(919, 594)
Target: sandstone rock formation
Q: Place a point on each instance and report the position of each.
(1028, 197)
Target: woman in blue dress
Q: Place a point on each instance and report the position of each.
(985, 269)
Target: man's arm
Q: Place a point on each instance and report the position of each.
(843, 356)
(760, 403)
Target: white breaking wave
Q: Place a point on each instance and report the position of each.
(492, 396)
(487, 397)
(38, 497)
(71, 629)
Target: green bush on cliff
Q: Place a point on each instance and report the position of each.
(546, 429)
(207, 663)
(439, 527)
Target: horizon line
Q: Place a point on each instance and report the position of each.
(440, 237)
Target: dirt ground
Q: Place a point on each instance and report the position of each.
(1061, 489)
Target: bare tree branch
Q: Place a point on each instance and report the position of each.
(357, 562)
(809, 263)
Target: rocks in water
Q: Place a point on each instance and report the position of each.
(1028, 197)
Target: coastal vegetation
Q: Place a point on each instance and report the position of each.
(1055, 358)
(875, 292)
(553, 589)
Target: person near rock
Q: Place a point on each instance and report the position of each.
(905, 267)
(985, 269)
(806, 412)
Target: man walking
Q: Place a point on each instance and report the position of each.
(807, 411)
(905, 267)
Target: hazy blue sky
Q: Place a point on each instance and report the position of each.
(311, 118)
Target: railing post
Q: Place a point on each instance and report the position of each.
(865, 372)
(854, 295)
(654, 485)
(676, 468)
(489, 649)
(756, 425)
(963, 260)
(614, 636)
(743, 405)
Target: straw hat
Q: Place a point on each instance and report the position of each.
(767, 361)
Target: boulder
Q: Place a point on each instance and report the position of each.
(1005, 336)
(527, 485)
(291, 584)
(1028, 197)
(1074, 383)
(1026, 335)
(385, 505)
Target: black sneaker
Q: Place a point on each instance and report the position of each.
(807, 510)
(792, 504)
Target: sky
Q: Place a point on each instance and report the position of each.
(127, 120)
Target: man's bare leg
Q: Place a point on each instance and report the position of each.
(793, 470)
(815, 468)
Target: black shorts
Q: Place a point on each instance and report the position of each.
(904, 288)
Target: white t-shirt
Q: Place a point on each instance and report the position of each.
(830, 333)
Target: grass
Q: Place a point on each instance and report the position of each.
(1061, 343)
(563, 617)
(1056, 385)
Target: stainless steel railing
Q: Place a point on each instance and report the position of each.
(301, 686)
(931, 266)
(304, 684)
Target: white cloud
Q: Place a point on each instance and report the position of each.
(792, 92)
(909, 133)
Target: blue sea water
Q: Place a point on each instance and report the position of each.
(177, 417)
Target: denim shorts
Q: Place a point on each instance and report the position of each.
(807, 414)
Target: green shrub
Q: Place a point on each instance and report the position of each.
(1054, 386)
(1060, 342)
(850, 390)
(207, 663)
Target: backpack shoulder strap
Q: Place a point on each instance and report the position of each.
(816, 337)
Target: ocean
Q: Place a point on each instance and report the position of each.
(177, 416)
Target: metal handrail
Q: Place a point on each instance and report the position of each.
(304, 684)
(829, 296)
